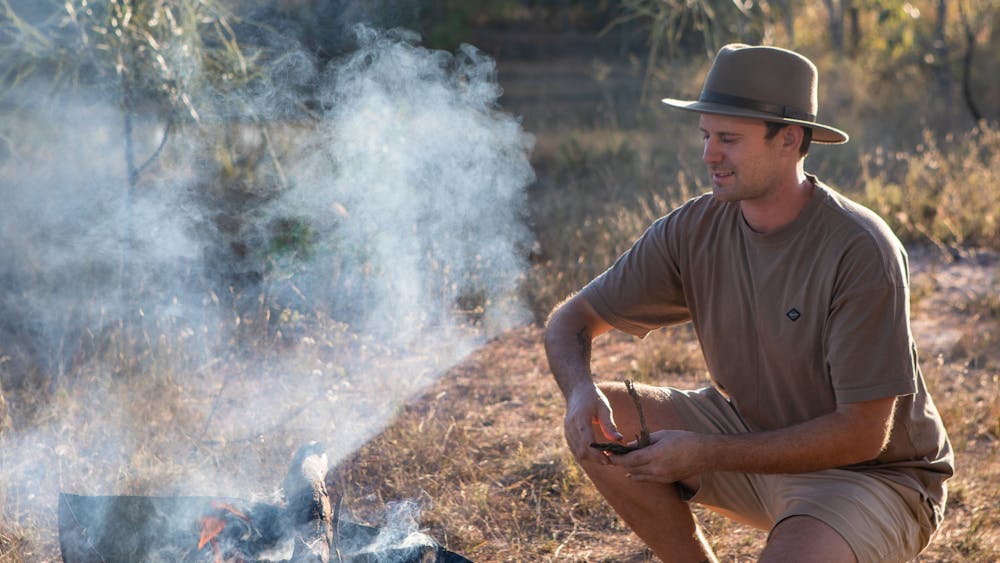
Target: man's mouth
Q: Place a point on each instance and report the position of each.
(722, 174)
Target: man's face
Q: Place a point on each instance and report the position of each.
(742, 163)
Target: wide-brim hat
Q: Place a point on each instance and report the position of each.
(766, 83)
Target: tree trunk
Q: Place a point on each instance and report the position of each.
(835, 11)
(942, 74)
(789, 21)
(970, 38)
(855, 22)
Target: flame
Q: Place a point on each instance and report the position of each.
(212, 526)
(230, 508)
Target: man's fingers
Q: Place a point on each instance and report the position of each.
(635, 460)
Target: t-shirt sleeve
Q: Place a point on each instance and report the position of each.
(869, 346)
(643, 290)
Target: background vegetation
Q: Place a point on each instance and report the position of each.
(914, 83)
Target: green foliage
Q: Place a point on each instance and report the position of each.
(448, 23)
(292, 236)
(166, 53)
(676, 28)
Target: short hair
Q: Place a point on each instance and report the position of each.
(774, 127)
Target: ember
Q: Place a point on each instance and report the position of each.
(305, 529)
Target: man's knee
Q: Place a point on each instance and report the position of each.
(806, 539)
(657, 407)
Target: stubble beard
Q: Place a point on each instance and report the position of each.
(735, 190)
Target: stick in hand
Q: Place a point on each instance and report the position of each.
(642, 440)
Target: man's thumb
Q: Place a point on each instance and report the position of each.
(608, 426)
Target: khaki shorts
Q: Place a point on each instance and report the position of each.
(881, 520)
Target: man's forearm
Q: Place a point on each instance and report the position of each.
(569, 333)
(568, 352)
(852, 434)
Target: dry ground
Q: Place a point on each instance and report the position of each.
(483, 452)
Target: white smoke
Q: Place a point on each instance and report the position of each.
(409, 182)
(417, 170)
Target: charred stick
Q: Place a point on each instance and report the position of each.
(614, 447)
(643, 429)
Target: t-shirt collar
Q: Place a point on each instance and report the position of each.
(791, 230)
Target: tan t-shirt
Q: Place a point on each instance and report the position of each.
(791, 323)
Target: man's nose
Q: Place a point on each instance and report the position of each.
(711, 153)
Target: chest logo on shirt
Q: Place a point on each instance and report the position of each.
(793, 314)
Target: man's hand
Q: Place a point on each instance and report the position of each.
(568, 335)
(672, 456)
(587, 407)
(853, 433)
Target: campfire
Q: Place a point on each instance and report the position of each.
(310, 527)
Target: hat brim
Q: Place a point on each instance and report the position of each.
(821, 133)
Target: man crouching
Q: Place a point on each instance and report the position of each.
(818, 426)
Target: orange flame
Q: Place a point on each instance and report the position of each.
(230, 508)
(212, 526)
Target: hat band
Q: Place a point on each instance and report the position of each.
(746, 103)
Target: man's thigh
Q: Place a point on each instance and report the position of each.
(877, 520)
(874, 519)
(703, 410)
(880, 521)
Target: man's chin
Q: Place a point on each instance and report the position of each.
(723, 193)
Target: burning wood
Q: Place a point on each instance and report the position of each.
(308, 505)
(304, 529)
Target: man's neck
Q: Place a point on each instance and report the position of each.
(780, 207)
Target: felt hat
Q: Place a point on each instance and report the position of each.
(766, 83)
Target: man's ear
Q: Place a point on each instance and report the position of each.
(791, 138)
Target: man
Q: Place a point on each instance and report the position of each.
(818, 427)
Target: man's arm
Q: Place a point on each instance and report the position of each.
(853, 433)
(569, 333)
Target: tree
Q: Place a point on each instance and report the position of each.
(677, 27)
(164, 53)
(174, 59)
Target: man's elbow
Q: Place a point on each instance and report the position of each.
(874, 445)
(557, 326)
(552, 321)
(869, 428)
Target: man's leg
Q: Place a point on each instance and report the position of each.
(654, 511)
(805, 539)
(841, 515)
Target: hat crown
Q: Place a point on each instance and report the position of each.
(771, 78)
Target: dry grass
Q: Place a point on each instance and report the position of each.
(937, 193)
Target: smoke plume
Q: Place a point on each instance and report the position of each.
(357, 233)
